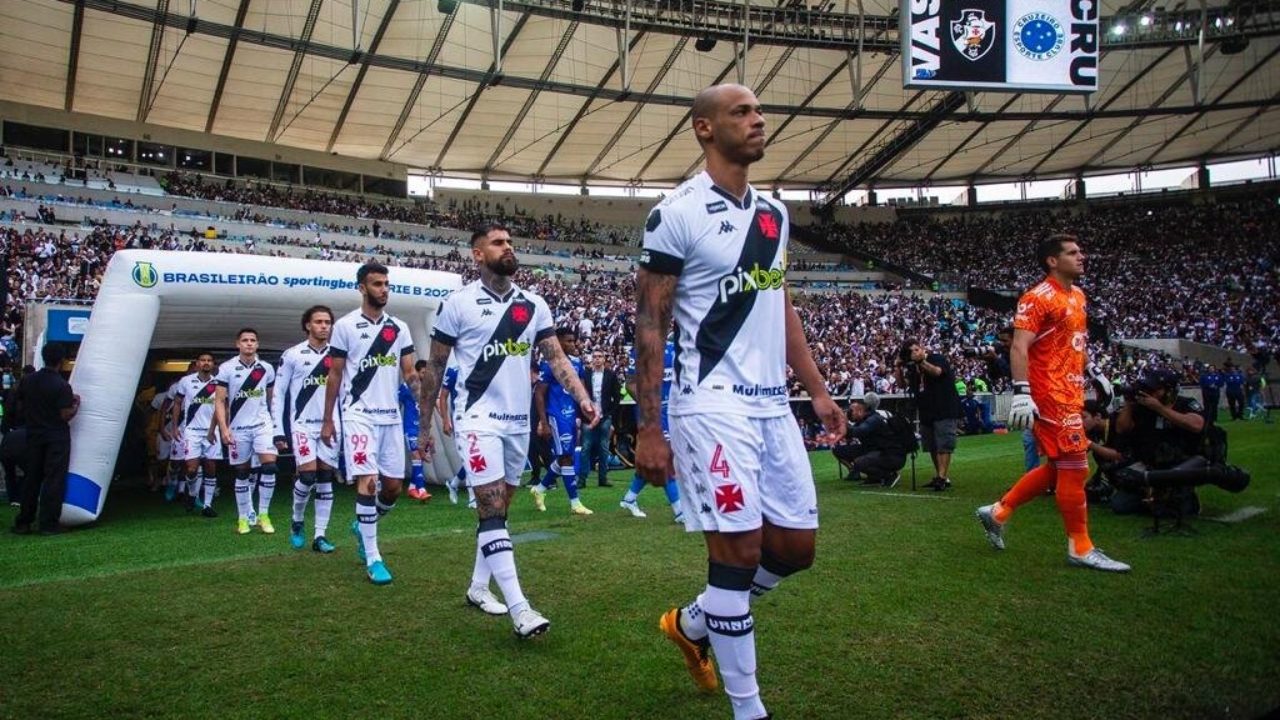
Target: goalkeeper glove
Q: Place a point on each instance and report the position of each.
(1105, 391)
(1023, 412)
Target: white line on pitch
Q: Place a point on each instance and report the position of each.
(873, 493)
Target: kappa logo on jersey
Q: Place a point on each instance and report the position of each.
(755, 279)
(726, 227)
(768, 225)
(729, 498)
(486, 313)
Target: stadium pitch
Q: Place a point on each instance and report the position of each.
(907, 613)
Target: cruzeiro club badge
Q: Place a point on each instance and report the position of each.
(145, 275)
(1038, 36)
(973, 34)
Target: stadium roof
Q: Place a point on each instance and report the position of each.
(421, 88)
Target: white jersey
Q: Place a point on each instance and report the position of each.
(246, 387)
(196, 396)
(492, 337)
(302, 376)
(371, 378)
(730, 259)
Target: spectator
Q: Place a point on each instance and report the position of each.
(48, 406)
(1210, 391)
(1233, 381)
(605, 390)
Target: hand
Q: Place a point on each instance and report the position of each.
(446, 425)
(653, 456)
(1149, 402)
(327, 433)
(1023, 412)
(588, 412)
(428, 450)
(212, 435)
(544, 430)
(832, 418)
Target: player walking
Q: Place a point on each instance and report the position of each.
(193, 416)
(416, 448)
(716, 249)
(1048, 361)
(303, 373)
(630, 499)
(491, 326)
(246, 382)
(558, 421)
(371, 353)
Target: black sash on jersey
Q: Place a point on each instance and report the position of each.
(304, 395)
(723, 321)
(510, 327)
(386, 337)
(251, 382)
(193, 406)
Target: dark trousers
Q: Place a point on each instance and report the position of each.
(874, 464)
(1235, 401)
(595, 449)
(12, 485)
(46, 481)
(539, 456)
(1211, 400)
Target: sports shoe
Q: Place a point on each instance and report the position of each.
(1096, 560)
(995, 530)
(678, 518)
(893, 481)
(471, 504)
(264, 524)
(355, 530)
(577, 508)
(295, 535)
(539, 499)
(696, 660)
(197, 504)
(419, 494)
(453, 491)
(378, 573)
(632, 508)
(208, 512)
(322, 545)
(486, 601)
(253, 518)
(170, 492)
(242, 526)
(530, 623)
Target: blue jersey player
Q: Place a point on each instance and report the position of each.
(444, 408)
(558, 420)
(637, 483)
(409, 419)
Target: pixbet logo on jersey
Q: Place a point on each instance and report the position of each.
(757, 278)
(380, 361)
(509, 348)
(251, 393)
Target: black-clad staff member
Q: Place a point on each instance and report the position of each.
(48, 406)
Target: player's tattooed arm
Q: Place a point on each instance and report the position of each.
(655, 295)
(563, 369)
(491, 500)
(429, 389)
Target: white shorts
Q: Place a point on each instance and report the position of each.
(373, 449)
(165, 449)
(197, 446)
(308, 447)
(733, 471)
(488, 457)
(249, 444)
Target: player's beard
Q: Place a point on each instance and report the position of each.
(376, 301)
(503, 266)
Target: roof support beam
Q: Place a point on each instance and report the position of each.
(533, 96)
(1235, 131)
(73, 55)
(968, 138)
(364, 69)
(637, 107)
(308, 26)
(423, 74)
(492, 78)
(993, 157)
(233, 40)
(867, 143)
(153, 59)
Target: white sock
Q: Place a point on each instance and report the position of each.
(499, 554)
(367, 517)
(693, 622)
(193, 485)
(324, 507)
(210, 485)
(266, 489)
(731, 631)
(302, 486)
(480, 572)
(244, 496)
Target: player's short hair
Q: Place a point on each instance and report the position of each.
(244, 330)
(566, 332)
(419, 365)
(369, 268)
(1052, 247)
(53, 354)
(202, 354)
(482, 231)
(306, 316)
(1095, 407)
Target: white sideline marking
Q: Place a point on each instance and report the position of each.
(905, 495)
(1238, 516)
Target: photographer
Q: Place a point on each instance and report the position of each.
(928, 377)
(873, 448)
(1169, 449)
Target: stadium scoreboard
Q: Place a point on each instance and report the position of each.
(1002, 45)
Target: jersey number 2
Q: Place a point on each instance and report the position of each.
(719, 465)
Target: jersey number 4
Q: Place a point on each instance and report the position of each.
(719, 465)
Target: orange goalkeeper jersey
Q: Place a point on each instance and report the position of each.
(1055, 362)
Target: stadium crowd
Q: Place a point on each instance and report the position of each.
(1208, 272)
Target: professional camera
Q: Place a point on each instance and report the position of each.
(973, 351)
(1148, 383)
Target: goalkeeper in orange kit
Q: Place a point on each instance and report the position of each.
(1048, 360)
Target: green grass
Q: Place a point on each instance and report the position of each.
(907, 613)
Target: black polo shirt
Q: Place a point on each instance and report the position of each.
(44, 396)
